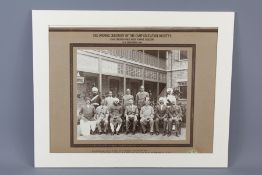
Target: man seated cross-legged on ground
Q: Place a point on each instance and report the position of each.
(102, 114)
(115, 112)
(131, 113)
(161, 115)
(147, 116)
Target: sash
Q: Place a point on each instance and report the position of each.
(94, 98)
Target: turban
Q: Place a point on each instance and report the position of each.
(94, 89)
(169, 90)
(161, 99)
(116, 100)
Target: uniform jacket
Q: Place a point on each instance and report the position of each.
(168, 100)
(126, 99)
(140, 98)
(95, 100)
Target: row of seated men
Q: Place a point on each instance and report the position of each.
(112, 117)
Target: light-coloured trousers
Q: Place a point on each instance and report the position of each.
(144, 122)
(86, 126)
(117, 121)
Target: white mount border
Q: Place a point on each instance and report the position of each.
(42, 20)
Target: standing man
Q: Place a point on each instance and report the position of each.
(88, 120)
(161, 115)
(141, 97)
(127, 97)
(131, 113)
(115, 111)
(175, 115)
(109, 99)
(147, 116)
(169, 97)
(95, 98)
(102, 114)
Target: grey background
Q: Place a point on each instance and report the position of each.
(16, 88)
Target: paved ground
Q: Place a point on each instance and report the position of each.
(137, 136)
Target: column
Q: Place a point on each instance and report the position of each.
(143, 80)
(100, 75)
(157, 85)
(124, 78)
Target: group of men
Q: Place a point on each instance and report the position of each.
(104, 113)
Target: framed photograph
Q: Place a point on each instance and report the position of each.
(132, 88)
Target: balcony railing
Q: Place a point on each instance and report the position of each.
(136, 56)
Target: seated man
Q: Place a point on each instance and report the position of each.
(147, 116)
(175, 115)
(177, 121)
(115, 112)
(161, 115)
(88, 120)
(131, 113)
(102, 114)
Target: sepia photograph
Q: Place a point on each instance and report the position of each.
(132, 93)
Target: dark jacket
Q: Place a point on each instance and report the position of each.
(95, 100)
(88, 112)
(174, 111)
(161, 113)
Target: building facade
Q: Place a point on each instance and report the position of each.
(118, 69)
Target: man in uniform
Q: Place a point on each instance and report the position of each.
(127, 97)
(109, 99)
(169, 97)
(175, 115)
(88, 120)
(102, 114)
(115, 112)
(141, 97)
(131, 113)
(95, 98)
(161, 115)
(147, 116)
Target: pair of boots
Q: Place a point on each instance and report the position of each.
(168, 133)
(133, 132)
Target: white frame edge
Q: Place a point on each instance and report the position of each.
(42, 19)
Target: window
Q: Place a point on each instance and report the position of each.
(182, 86)
(183, 55)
